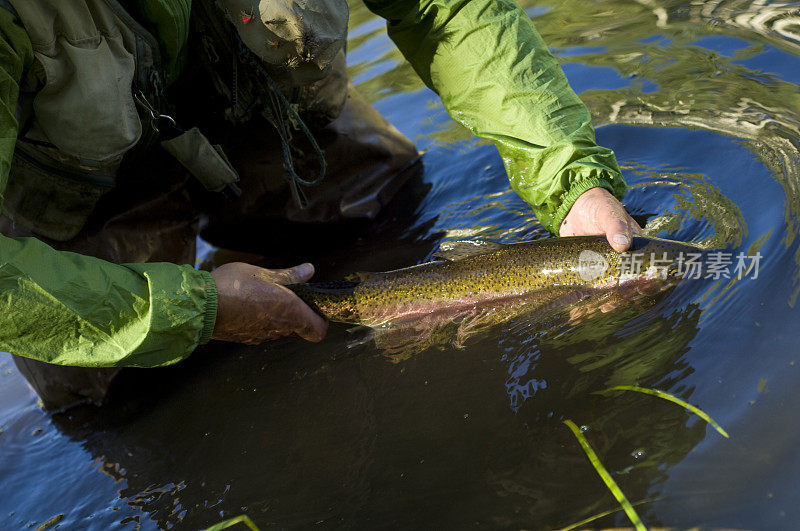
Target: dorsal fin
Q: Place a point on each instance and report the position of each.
(460, 249)
(361, 276)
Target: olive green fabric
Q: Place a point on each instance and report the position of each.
(484, 58)
(87, 55)
(70, 309)
(303, 46)
(206, 162)
(496, 77)
(168, 20)
(16, 55)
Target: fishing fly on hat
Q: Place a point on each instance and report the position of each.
(302, 36)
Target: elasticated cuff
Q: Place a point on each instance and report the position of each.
(210, 313)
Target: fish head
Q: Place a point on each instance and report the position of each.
(652, 264)
(637, 278)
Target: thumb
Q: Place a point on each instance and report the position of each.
(613, 222)
(616, 228)
(293, 275)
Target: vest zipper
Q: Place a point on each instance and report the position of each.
(137, 28)
(52, 167)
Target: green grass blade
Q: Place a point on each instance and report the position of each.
(674, 399)
(232, 522)
(590, 519)
(598, 516)
(606, 477)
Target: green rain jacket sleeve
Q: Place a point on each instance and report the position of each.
(496, 77)
(69, 309)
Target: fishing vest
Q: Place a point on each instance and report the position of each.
(281, 60)
(77, 114)
(95, 95)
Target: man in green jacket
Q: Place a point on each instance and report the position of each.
(84, 91)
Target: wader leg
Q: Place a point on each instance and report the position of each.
(60, 387)
(143, 223)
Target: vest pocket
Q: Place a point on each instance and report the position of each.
(81, 117)
(86, 107)
(51, 198)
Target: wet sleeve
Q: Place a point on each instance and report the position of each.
(69, 309)
(496, 77)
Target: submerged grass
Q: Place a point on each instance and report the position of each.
(674, 399)
(606, 477)
(241, 519)
(601, 470)
(597, 516)
(625, 505)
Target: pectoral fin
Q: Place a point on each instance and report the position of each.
(360, 335)
(460, 249)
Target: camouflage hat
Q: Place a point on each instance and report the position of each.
(302, 36)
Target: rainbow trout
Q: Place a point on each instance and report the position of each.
(472, 277)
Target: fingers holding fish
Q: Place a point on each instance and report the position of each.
(292, 275)
(254, 306)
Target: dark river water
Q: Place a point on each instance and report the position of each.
(700, 102)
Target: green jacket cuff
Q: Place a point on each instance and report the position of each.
(210, 311)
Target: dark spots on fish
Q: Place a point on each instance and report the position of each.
(511, 271)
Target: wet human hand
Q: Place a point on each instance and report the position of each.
(254, 305)
(597, 212)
